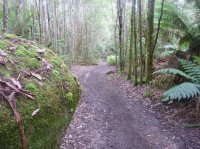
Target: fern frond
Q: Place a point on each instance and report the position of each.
(185, 90)
(191, 69)
(186, 38)
(197, 60)
(175, 18)
(175, 72)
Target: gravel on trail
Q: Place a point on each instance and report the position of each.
(110, 116)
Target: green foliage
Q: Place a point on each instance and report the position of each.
(175, 72)
(176, 19)
(197, 60)
(111, 59)
(191, 69)
(187, 90)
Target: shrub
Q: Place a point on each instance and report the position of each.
(111, 60)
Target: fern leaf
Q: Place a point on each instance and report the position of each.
(191, 69)
(175, 72)
(197, 59)
(185, 90)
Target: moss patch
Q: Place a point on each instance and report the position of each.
(24, 51)
(56, 95)
(4, 44)
(69, 96)
(56, 61)
(31, 87)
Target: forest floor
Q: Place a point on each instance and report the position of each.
(113, 114)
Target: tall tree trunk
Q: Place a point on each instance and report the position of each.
(5, 15)
(140, 40)
(130, 63)
(120, 19)
(135, 44)
(39, 19)
(150, 21)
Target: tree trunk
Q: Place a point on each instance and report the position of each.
(130, 65)
(135, 45)
(140, 40)
(150, 29)
(5, 15)
(120, 19)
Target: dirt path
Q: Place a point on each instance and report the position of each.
(109, 118)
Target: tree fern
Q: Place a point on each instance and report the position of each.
(197, 60)
(191, 69)
(175, 18)
(175, 72)
(187, 90)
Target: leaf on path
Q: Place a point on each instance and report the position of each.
(9, 85)
(37, 76)
(16, 83)
(12, 87)
(35, 112)
(12, 102)
(12, 48)
(2, 53)
(47, 64)
(40, 50)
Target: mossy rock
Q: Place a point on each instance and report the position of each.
(163, 81)
(57, 94)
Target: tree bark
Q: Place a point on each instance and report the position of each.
(135, 45)
(130, 64)
(120, 19)
(5, 16)
(150, 29)
(140, 41)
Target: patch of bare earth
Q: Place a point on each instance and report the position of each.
(113, 114)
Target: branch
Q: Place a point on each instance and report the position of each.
(158, 29)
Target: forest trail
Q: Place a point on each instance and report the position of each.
(108, 118)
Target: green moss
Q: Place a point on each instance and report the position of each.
(5, 73)
(4, 44)
(31, 87)
(29, 63)
(55, 73)
(24, 51)
(69, 96)
(43, 130)
(55, 60)
(63, 66)
(7, 35)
